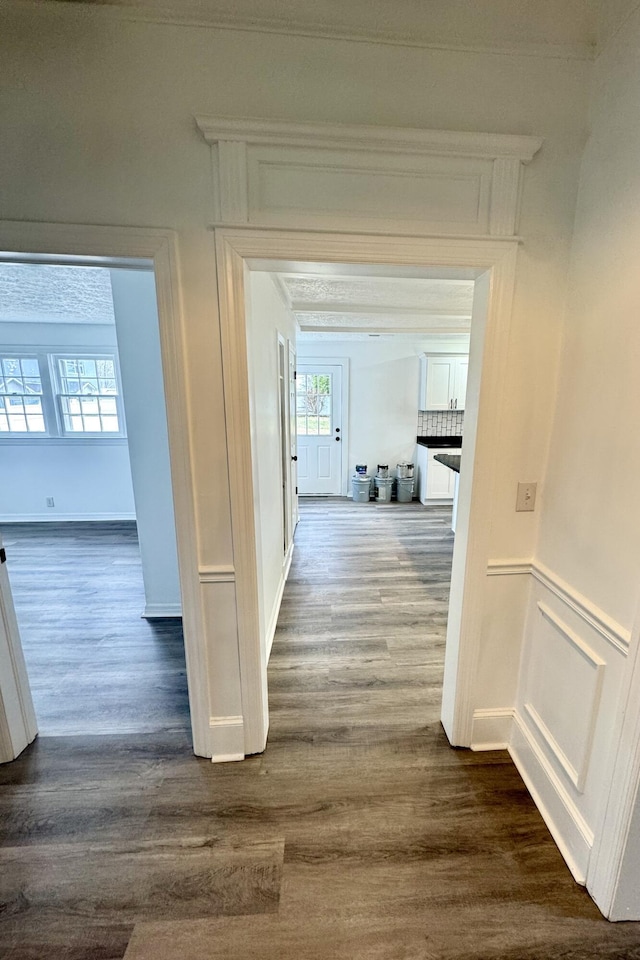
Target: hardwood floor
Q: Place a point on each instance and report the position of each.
(358, 834)
(95, 666)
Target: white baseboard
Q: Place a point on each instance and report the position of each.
(50, 517)
(156, 611)
(491, 729)
(227, 739)
(561, 815)
(273, 619)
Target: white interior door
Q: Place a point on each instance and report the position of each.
(293, 440)
(17, 716)
(319, 429)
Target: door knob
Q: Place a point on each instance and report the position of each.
(294, 458)
(338, 439)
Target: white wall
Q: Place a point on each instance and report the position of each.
(139, 160)
(88, 479)
(136, 316)
(589, 544)
(266, 318)
(383, 395)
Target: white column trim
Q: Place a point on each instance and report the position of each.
(112, 244)
(216, 573)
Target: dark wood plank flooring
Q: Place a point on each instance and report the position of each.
(358, 834)
(95, 665)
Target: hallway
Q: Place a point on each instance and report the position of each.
(358, 834)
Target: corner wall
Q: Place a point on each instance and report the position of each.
(580, 640)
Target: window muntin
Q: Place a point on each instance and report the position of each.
(88, 394)
(21, 409)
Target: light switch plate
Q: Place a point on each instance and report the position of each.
(526, 496)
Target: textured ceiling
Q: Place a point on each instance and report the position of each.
(378, 304)
(43, 293)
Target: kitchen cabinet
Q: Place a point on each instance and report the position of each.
(435, 481)
(443, 382)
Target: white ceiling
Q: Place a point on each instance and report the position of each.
(358, 306)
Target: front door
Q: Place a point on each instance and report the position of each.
(319, 429)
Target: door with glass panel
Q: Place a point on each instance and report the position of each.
(319, 429)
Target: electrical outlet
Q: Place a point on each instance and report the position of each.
(526, 496)
(50, 502)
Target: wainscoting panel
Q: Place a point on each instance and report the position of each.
(562, 693)
(573, 661)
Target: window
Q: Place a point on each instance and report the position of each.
(313, 404)
(45, 394)
(21, 408)
(88, 394)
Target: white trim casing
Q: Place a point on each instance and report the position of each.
(236, 249)
(227, 739)
(492, 728)
(161, 248)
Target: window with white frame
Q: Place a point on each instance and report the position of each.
(88, 394)
(21, 409)
(45, 394)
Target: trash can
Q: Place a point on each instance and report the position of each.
(384, 488)
(361, 487)
(404, 488)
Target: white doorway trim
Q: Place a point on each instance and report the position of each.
(108, 245)
(494, 259)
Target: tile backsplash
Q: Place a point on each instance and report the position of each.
(440, 423)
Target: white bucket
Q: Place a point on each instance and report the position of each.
(361, 488)
(404, 490)
(384, 488)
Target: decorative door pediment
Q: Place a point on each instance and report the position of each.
(367, 179)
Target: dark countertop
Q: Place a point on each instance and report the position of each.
(439, 441)
(451, 460)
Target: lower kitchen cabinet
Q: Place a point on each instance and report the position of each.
(435, 481)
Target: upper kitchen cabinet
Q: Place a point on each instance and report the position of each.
(443, 382)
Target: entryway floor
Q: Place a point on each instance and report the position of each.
(358, 835)
(95, 666)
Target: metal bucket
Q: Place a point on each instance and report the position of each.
(404, 470)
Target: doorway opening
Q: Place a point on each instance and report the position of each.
(371, 344)
(86, 512)
(243, 257)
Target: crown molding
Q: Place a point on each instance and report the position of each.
(195, 14)
(338, 136)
